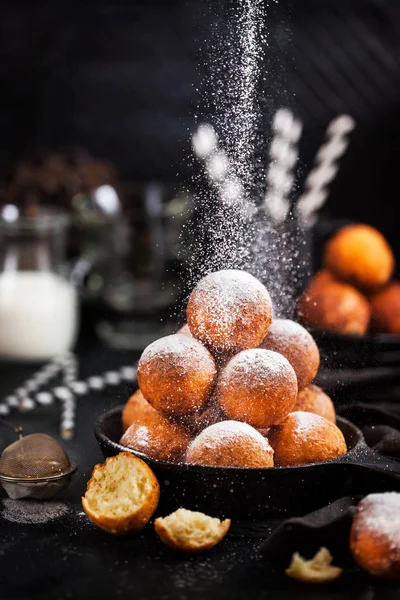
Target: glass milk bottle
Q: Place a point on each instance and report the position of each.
(38, 305)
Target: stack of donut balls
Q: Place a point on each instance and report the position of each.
(354, 292)
(233, 387)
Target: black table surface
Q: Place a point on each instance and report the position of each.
(70, 558)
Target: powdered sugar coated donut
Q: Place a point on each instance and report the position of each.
(297, 345)
(305, 438)
(229, 311)
(257, 386)
(375, 534)
(152, 433)
(176, 375)
(133, 409)
(314, 400)
(230, 444)
(198, 421)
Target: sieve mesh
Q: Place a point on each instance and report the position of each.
(34, 456)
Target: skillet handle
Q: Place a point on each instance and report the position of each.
(377, 462)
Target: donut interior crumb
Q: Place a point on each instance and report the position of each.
(118, 488)
(191, 531)
(316, 570)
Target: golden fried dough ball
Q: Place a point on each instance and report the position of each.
(297, 345)
(133, 409)
(230, 444)
(360, 255)
(153, 434)
(334, 307)
(305, 438)
(320, 280)
(229, 311)
(375, 535)
(257, 386)
(121, 495)
(198, 421)
(385, 307)
(176, 375)
(322, 277)
(314, 400)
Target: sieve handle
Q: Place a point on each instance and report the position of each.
(17, 430)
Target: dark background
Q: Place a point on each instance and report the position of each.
(126, 79)
(121, 79)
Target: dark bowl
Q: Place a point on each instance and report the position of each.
(358, 351)
(349, 351)
(250, 494)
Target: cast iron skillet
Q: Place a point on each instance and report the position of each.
(255, 494)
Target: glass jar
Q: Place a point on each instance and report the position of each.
(38, 305)
(143, 283)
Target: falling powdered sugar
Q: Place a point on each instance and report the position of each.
(29, 512)
(231, 229)
(235, 51)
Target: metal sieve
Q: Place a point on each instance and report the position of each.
(35, 466)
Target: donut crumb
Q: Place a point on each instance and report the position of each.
(316, 570)
(191, 531)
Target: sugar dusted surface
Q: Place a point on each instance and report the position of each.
(177, 344)
(179, 348)
(287, 331)
(156, 436)
(257, 386)
(176, 374)
(142, 438)
(295, 343)
(305, 438)
(305, 422)
(256, 366)
(380, 513)
(226, 432)
(226, 299)
(232, 287)
(32, 512)
(230, 291)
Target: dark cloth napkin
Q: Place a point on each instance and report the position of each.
(329, 526)
(383, 439)
(380, 424)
